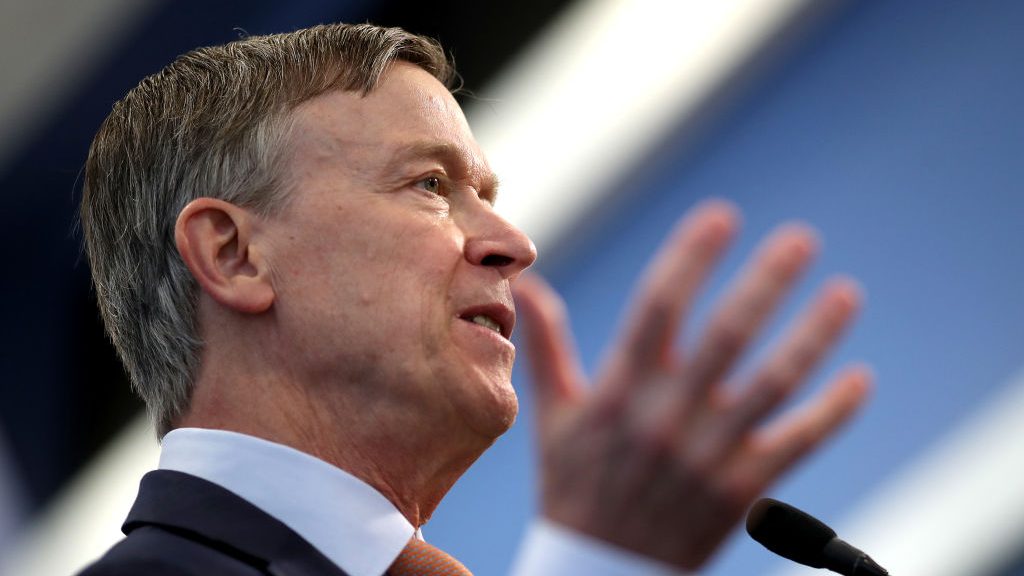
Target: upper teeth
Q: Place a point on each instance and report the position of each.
(487, 323)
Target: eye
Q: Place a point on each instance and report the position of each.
(431, 184)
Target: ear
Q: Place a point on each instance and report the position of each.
(215, 239)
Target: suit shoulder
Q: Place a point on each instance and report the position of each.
(153, 551)
(135, 567)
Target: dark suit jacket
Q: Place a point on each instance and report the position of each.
(181, 525)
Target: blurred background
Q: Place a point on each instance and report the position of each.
(896, 128)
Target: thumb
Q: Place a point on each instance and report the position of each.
(554, 368)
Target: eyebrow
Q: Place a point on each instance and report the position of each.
(453, 155)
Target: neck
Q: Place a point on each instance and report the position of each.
(412, 463)
(387, 440)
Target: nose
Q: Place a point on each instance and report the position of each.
(494, 242)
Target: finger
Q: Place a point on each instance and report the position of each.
(774, 269)
(555, 371)
(789, 440)
(669, 285)
(806, 344)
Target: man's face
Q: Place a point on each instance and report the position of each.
(390, 267)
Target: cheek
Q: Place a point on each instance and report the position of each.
(401, 281)
(427, 286)
(413, 264)
(386, 271)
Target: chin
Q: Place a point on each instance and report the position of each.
(500, 414)
(509, 418)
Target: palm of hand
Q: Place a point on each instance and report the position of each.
(659, 457)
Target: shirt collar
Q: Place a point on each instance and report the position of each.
(344, 518)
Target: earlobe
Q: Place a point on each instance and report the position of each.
(216, 241)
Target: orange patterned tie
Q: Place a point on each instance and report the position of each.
(421, 559)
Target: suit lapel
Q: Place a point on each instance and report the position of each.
(210, 514)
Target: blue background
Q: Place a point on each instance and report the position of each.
(898, 131)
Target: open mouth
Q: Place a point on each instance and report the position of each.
(496, 318)
(486, 322)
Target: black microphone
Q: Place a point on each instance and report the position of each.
(795, 534)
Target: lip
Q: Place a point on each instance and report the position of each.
(504, 315)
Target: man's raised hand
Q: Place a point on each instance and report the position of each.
(660, 456)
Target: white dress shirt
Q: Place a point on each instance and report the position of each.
(351, 523)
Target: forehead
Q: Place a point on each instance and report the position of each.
(409, 110)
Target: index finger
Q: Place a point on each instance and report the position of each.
(668, 287)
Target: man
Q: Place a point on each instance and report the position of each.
(296, 254)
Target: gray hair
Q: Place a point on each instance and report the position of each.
(211, 124)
